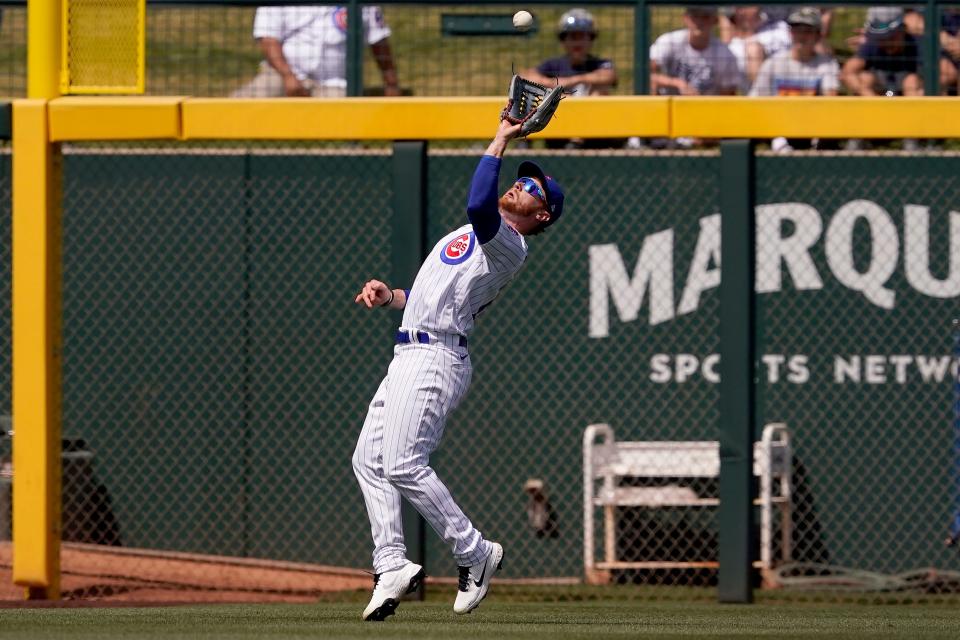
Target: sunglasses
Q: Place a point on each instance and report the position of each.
(530, 186)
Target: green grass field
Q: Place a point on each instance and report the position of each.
(494, 620)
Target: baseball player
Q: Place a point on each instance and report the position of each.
(431, 371)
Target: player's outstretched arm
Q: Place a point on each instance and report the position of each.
(482, 207)
(378, 294)
(505, 133)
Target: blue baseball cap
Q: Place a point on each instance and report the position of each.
(529, 169)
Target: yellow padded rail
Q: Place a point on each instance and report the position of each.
(36, 352)
(841, 117)
(77, 118)
(410, 118)
(118, 118)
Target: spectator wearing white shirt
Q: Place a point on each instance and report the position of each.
(744, 22)
(800, 70)
(305, 51)
(692, 61)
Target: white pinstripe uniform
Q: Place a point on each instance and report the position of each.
(424, 383)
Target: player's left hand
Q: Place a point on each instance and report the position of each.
(373, 294)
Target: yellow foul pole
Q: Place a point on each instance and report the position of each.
(36, 314)
(43, 48)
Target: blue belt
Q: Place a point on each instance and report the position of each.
(422, 337)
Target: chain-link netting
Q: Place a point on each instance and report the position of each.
(13, 51)
(857, 274)
(215, 370)
(570, 343)
(6, 458)
(216, 373)
(452, 49)
(102, 46)
(435, 49)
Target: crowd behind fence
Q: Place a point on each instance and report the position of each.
(217, 48)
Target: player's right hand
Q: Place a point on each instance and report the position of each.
(373, 294)
(507, 131)
(294, 88)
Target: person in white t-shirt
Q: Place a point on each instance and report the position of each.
(305, 51)
(800, 70)
(691, 61)
(756, 33)
(743, 23)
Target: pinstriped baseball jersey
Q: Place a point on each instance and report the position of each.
(427, 380)
(461, 277)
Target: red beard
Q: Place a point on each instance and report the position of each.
(514, 206)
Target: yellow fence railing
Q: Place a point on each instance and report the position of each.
(78, 118)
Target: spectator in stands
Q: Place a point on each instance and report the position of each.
(950, 51)
(949, 44)
(691, 61)
(800, 70)
(580, 70)
(771, 35)
(887, 63)
(744, 22)
(305, 51)
(577, 69)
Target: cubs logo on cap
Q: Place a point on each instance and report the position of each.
(458, 249)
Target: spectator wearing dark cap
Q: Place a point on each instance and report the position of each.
(691, 61)
(888, 62)
(578, 70)
(949, 37)
(800, 70)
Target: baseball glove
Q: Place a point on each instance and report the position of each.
(530, 104)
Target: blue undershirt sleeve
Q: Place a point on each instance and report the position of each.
(482, 207)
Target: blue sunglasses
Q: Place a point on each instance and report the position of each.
(530, 186)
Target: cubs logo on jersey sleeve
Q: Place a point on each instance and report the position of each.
(458, 249)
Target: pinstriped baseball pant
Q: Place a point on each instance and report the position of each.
(403, 427)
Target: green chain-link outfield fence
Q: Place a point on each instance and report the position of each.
(216, 370)
(867, 367)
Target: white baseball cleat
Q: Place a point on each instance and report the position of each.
(475, 580)
(389, 587)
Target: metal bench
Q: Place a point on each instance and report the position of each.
(606, 462)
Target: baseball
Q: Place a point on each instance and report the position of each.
(522, 20)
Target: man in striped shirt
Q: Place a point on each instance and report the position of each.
(431, 371)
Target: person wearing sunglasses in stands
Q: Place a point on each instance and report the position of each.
(431, 371)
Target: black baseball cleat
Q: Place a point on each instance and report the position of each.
(389, 587)
(475, 581)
